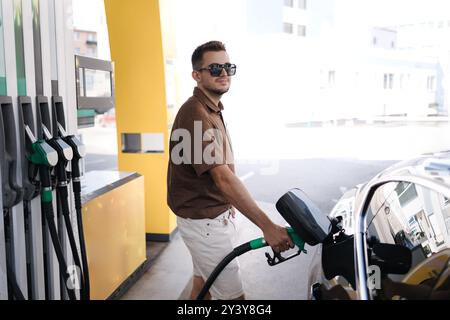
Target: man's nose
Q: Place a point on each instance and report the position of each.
(223, 72)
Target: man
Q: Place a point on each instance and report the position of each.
(202, 185)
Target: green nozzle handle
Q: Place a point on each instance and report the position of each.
(296, 238)
(260, 242)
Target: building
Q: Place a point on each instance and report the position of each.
(336, 65)
(85, 43)
(295, 17)
(426, 39)
(89, 16)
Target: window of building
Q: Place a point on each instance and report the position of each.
(288, 28)
(92, 52)
(374, 41)
(331, 78)
(76, 35)
(289, 3)
(431, 83)
(77, 50)
(388, 81)
(301, 30)
(92, 37)
(322, 79)
(392, 44)
(302, 4)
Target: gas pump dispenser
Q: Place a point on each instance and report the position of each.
(42, 248)
(12, 192)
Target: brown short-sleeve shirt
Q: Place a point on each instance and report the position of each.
(199, 142)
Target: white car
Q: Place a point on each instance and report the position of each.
(391, 237)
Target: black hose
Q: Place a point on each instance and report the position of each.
(63, 196)
(28, 244)
(46, 256)
(12, 282)
(243, 248)
(78, 209)
(47, 208)
(13, 286)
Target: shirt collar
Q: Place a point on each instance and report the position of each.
(200, 95)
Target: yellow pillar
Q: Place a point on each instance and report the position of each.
(135, 36)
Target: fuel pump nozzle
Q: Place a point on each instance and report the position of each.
(78, 149)
(43, 154)
(278, 258)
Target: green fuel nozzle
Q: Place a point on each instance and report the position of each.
(45, 157)
(42, 154)
(277, 257)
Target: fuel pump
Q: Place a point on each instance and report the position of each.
(45, 158)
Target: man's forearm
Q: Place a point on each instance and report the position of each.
(237, 194)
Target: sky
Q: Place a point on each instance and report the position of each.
(395, 12)
(382, 12)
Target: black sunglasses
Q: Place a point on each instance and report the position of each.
(215, 69)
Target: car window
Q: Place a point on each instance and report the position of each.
(412, 218)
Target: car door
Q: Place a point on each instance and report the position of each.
(409, 225)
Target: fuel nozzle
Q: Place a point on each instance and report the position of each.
(78, 148)
(278, 258)
(45, 157)
(42, 153)
(65, 154)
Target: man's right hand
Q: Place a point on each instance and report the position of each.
(278, 238)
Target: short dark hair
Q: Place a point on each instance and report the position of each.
(197, 56)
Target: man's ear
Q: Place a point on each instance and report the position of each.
(196, 75)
